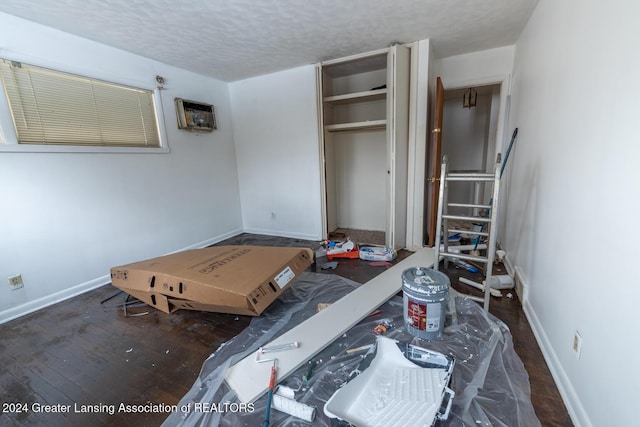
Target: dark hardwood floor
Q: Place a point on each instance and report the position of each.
(89, 358)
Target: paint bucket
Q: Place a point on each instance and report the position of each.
(425, 296)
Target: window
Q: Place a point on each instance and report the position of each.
(53, 108)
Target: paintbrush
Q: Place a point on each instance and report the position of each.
(272, 385)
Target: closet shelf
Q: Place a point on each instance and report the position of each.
(369, 124)
(349, 98)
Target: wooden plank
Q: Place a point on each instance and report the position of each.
(250, 379)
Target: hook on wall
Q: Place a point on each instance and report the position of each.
(470, 98)
(160, 81)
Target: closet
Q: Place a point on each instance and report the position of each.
(364, 120)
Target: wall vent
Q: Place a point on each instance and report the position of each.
(195, 116)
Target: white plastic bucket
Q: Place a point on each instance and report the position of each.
(501, 282)
(425, 297)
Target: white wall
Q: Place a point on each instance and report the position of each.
(360, 163)
(477, 69)
(574, 199)
(276, 134)
(67, 218)
(279, 110)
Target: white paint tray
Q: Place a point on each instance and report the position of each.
(395, 391)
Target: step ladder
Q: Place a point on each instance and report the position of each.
(491, 181)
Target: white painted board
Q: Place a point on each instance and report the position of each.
(250, 379)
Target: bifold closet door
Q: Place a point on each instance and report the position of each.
(398, 70)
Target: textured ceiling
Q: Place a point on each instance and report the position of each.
(235, 39)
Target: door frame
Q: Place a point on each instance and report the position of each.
(321, 151)
(435, 152)
(322, 139)
(501, 130)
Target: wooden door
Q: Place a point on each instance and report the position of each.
(436, 160)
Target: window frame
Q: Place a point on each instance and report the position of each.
(8, 137)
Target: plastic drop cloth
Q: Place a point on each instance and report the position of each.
(489, 379)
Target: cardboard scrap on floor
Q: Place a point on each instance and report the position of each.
(225, 279)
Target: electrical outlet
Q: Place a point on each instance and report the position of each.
(15, 282)
(577, 344)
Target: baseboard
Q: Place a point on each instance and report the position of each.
(211, 241)
(520, 285)
(283, 233)
(40, 303)
(508, 264)
(567, 392)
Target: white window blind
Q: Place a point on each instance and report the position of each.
(52, 107)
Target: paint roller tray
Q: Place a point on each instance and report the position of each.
(395, 391)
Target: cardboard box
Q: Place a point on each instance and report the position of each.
(225, 279)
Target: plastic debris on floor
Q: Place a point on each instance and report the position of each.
(490, 383)
(377, 253)
(344, 249)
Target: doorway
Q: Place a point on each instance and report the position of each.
(469, 136)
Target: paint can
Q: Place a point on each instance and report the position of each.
(425, 296)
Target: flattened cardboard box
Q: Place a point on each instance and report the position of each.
(225, 279)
